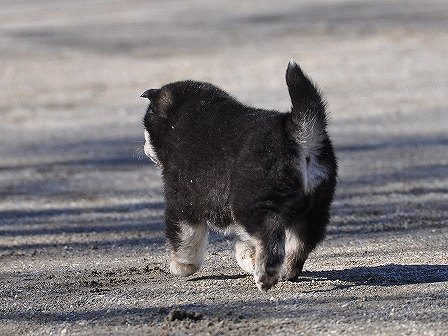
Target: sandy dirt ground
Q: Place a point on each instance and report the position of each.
(82, 249)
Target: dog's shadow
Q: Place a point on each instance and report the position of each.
(220, 277)
(384, 275)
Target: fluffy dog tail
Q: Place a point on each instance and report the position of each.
(308, 109)
(308, 126)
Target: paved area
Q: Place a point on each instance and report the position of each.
(82, 249)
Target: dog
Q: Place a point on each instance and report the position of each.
(267, 176)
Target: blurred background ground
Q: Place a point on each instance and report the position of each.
(81, 216)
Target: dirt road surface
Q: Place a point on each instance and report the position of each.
(82, 249)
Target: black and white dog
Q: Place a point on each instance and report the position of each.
(268, 176)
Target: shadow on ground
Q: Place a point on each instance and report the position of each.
(385, 275)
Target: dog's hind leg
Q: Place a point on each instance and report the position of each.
(296, 254)
(188, 243)
(262, 252)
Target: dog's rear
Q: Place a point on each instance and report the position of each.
(317, 165)
(269, 176)
(289, 190)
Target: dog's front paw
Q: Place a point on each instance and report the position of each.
(182, 269)
(266, 278)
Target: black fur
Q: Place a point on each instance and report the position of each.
(226, 164)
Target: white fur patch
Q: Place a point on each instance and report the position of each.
(149, 149)
(189, 256)
(294, 251)
(294, 248)
(245, 256)
(293, 245)
(311, 139)
(313, 173)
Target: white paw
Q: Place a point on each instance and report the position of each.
(181, 269)
(265, 280)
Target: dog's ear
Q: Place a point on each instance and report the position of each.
(159, 101)
(150, 94)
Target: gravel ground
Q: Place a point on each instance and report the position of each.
(82, 249)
